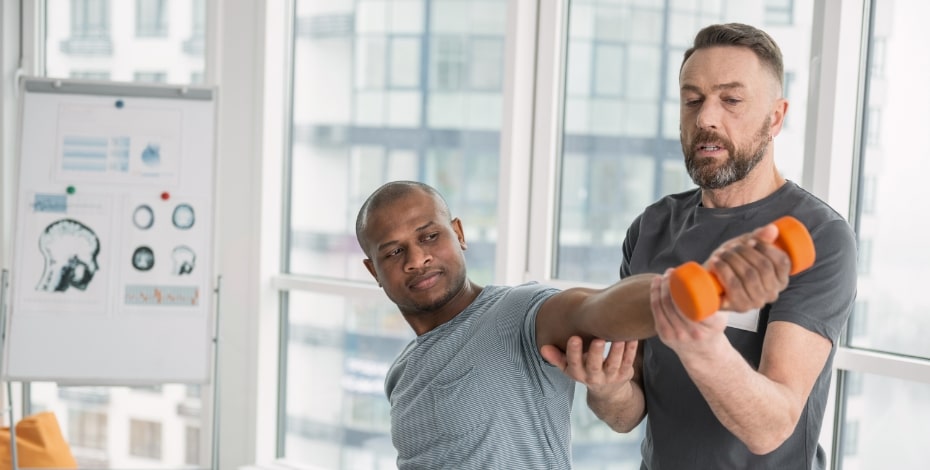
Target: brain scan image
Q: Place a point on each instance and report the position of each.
(184, 259)
(143, 258)
(143, 217)
(70, 249)
(183, 216)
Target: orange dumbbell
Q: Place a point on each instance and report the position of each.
(697, 292)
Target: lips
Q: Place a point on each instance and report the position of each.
(425, 280)
(710, 149)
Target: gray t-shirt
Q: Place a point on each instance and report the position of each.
(474, 393)
(681, 430)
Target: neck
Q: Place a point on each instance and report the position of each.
(425, 321)
(758, 184)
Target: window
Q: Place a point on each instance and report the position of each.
(145, 439)
(779, 12)
(151, 18)
(87, 428)
(194, 44)
(891, 180)
(620, 145)
(150, 77)
(882, 425)
(90, 18)
(89, 29)
(414, 92)
(620, 149)
(888, 353)
(84, 39)
(90, 75)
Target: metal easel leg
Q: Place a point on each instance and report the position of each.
(14, 459)
(215, 435)
(4, 284)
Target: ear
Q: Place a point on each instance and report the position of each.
(779, 110)
(459, 233)
(370, 266)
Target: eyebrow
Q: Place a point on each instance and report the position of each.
(721, 86)
(394, 242)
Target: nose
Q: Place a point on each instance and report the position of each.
(417, 257)
(708, 116)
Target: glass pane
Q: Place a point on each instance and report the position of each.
(387, 90)
(339, 351)
(125, 427)
(894, 261)
(885, 423)
(620, 148)
(121, 40)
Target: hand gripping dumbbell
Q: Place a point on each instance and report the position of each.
(698, 293)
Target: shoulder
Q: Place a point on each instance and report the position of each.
(674, 203)
(668, 209)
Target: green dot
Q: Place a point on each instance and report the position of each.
(70, 190)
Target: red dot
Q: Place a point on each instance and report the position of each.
(165, 196)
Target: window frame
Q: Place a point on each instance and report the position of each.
(256, 85)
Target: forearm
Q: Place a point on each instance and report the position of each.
(620, 312)
(622, 410)
(760, 412)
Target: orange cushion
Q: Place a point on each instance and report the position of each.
(39, 444)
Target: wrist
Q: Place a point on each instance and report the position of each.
(608, 395)
(707, 353)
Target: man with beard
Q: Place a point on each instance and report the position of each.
(733, 391)
(472, 391)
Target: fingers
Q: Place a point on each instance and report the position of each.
(665, 313)
(594, 359)
(751, 270)
(597, 367)
(627, 354)
(554, 356)
(766, 233)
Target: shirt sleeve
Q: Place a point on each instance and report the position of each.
(821, 298)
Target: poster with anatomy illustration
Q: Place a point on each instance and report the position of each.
(112, 250)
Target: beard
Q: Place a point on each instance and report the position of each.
(707, 174)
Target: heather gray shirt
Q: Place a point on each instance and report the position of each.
(474, 393)
(681, 430)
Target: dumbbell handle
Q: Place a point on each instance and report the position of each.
(698, 293)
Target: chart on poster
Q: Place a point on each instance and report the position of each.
(112, 279)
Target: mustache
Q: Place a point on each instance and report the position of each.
(421, 274)
(706, 135)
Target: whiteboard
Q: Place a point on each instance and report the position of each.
(113, 244)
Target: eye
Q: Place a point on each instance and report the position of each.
(394, 252)
(692, 102)
(732, 100)
(431, 236)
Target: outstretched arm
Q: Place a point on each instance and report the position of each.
(752, 271)
(617, 313)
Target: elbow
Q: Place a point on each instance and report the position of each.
(764, 446)
(624, 427)
(770, 439)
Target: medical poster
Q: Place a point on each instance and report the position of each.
(112, 279)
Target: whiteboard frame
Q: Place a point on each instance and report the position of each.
(191, 361)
